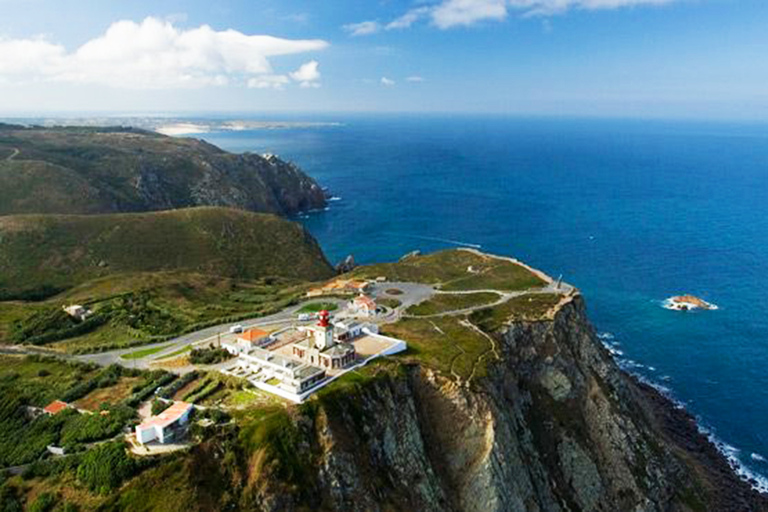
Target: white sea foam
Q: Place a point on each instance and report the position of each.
(756, 480)
(334, 198)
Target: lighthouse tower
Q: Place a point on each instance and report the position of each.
(323, 332)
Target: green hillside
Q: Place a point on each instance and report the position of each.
(41, 255)
(76, 170)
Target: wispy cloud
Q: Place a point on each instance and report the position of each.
(364, 28)
(457, 13)
(154, 54)
(387, 82)
(414, 79)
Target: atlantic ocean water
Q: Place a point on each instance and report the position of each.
(632, 212)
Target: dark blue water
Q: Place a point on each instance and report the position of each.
(631, 212)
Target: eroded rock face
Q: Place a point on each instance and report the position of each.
(555, 426)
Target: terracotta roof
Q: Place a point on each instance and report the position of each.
(168, 416)
(55, 407)
(253, 335)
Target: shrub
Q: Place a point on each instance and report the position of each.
(159, 406)
(44, 503)
(173, 388)
(105, 467)
(209, 355)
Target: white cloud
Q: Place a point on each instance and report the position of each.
(153, 54)
(414, 79)
(268, 82)
(455, 13)
(408, 19)
(387, 82)
(364, 28)
(307, 73)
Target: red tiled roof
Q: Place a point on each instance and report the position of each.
(55, 407)
(253, 335)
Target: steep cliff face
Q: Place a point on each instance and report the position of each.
(554, 426)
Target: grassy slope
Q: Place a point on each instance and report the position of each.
(80, 170)
(62, 251)
(448, 270)
(142, 306)
(442, 303)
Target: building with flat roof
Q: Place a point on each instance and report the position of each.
(280, 371)
(166, 426)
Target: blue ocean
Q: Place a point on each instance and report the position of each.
(631, 212)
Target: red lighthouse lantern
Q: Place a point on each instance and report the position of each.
(324, 315)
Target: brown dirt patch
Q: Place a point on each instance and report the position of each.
(112, 395)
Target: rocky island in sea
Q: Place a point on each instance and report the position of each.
(687, 303)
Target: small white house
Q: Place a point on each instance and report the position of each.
(246, 341)
(77, 311)
(166, 426)
(363, 305)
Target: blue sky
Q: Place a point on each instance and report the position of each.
(636, 58)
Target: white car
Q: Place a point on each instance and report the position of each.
(305, 316)
(236, 329)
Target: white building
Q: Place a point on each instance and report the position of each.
(363, 305)
(166, 426)
(280, 371)
(246, 341)
(77, 311)
(347, 331)
(322, 348)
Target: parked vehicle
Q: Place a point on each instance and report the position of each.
(236, 329)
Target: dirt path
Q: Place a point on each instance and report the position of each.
(14, 152)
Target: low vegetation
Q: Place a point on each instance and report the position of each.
(442, 343)
(529, 307)
(444, 302)
(135, 309)
(105, 467)
(29, 383)
(209, 355)
(315, 307)
(45, 254)
(90, 170)
(456, 270)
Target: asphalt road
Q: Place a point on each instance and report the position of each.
(195, 338)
